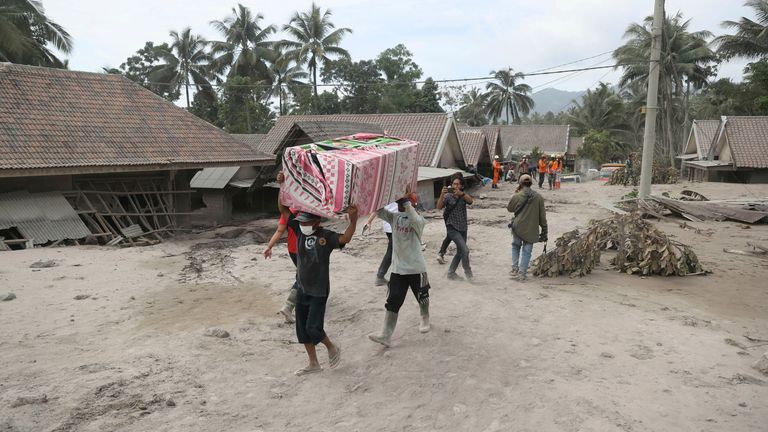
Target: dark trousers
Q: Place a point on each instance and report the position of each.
(552, 177)
(398, 288)
(444, 246)
(310, 318)
(387, 260)
(542, 176)
(462, 251)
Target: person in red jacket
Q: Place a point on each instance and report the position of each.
(282, 227)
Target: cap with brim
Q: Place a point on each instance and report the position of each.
(524, 178)
(307, 217)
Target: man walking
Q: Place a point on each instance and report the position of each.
(527, 207)
(454, 203)
(496, 172)
(315, 245)
(409, 270)
(387, 260)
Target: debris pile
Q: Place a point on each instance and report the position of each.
(661, 174)
(641, 249)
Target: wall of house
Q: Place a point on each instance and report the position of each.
(451, 156)
(426, 191)
(36, 184)
(217, 210)
(758, 176)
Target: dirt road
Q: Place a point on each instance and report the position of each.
(113, 339)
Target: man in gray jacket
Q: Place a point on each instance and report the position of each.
(529, 214)
(409, 270)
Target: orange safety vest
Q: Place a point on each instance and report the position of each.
(553, 167)
(542, 166)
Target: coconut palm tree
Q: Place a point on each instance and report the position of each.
(245, 46)
(186, 58)
(600, 109)
(508, 95)
(284, 74)
(751, 38)
(315, 40)
(687, 62)
(472, 110)
(25, 33)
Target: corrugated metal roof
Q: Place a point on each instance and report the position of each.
(42, 217)
(213, 178)
(242, 184)
(430, 173)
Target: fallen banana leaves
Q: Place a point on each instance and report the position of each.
(640, 249)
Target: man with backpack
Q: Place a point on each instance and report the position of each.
(527, 207)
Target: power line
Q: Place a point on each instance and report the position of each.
(465, 80)
(575, 61)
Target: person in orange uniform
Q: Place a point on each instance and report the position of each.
(542, 170)
(552, 168)
(496, 172)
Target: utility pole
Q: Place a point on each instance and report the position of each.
(651, 102)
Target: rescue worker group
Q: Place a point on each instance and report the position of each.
(310, 246)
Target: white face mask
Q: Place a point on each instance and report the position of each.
(307, 230)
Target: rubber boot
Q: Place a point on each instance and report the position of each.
(290, 304)
(424, 326)
(390, 321)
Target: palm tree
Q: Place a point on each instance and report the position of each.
(284, 74)
(600, 109)
(751, 38)
(25, 33)
(507, 95)
(472, 110)
(686, 61)
(315, 40)
(245, 45)
(186, 57)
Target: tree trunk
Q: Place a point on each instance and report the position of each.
(186, 85)
(314, 79)
(280, 99)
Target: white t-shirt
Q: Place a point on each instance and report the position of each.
(392, 208)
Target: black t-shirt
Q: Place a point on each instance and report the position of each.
(313, 255)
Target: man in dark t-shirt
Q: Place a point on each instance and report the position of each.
(314, 246)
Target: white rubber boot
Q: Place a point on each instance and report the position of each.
(424, 326)
(390, 321)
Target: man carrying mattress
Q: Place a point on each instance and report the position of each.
(409, 270)
(314, 244)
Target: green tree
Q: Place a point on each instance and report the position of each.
(472, 111)
(284, 75)
(687, 63)
(601, 148)
(305, 103)
(26, 33)
(400, 94)
(245, 46)
(240, 111)
(599, 109)
(139, 67)
(751, 38)
(508, 96)
(428, 98)
(206, 108)
(315, 40)
(360, 84)
(187, 58)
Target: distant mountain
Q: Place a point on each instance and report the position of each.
(551, 99)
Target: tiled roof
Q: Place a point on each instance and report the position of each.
(253, 140)
(472, 142)
(705, 131)
(426, 129)
(491, 136)
(574, 144)
(54, 118)
(325, 130)
(748, 139)
(523, 138)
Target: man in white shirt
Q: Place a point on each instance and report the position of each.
(387, 260)
(409, 270)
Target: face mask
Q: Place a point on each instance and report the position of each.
(307, 230)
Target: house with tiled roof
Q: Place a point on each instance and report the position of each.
(484, 160)
(66, 131)
(738, 152)
(440, 152)
(700, 137)
(518, 140)
(474, 146)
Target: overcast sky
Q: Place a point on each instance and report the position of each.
(449, 38)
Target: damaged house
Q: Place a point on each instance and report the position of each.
(96, 155)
